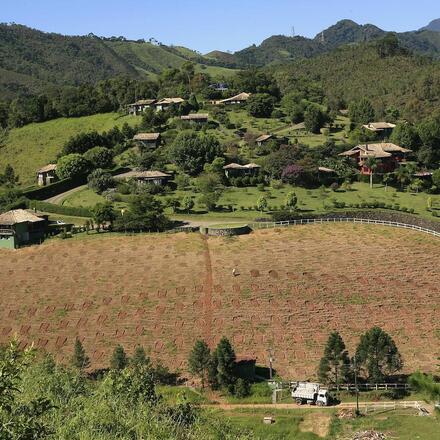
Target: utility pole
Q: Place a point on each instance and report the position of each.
(356, 385)
(293, 31)
(271, 359)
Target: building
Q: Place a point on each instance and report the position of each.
(199, 118)
(21, 227)
(244, 367)
(143, 177)
(237, 170)
(388, 156)
(164, 103)
(241, 98)
(147, 140)
(263, 138)
(219, 87)
(47, 175)
(381, 128)
(140, 106)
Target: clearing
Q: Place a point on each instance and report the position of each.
(295, 286)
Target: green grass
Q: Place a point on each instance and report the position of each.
(84, 197)
(35, 145)
(175, 394)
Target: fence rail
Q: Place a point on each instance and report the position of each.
(350, 386)
(366, 221)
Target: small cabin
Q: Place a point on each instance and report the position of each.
(237, 170)
(140, 106)
(198, 118)
(148, 177)
(165, 103)
(382, 129)
(47, 175)
(263, 139)
(20, 227)
(241, 98)
(147, 140)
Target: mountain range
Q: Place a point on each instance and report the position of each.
(32, 61)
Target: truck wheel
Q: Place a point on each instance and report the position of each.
(320, 403)
(299, 401)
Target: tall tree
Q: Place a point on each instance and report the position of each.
(140, 358)
(225, 357)
(334, 366)
(199, 359)
(377, 353)
(119, 359)
(79, 359)
(372, 164)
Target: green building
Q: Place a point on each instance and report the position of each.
(21, 227)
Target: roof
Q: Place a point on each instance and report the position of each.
(195, 116)
(138, 174)
(236, 166)
(326, 170)
(379, 126)
(243, 96)
(245, 359)
(18, 216)
(264, 137)
(379, 151)
(144, 102)
(146, 137)
(170, 101)
(47, 168)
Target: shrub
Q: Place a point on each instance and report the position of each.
(99, 157)
(99, 181)
(71, 166)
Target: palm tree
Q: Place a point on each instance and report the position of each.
(387, 178)
(372, 164)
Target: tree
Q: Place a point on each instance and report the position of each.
(72, 165)
(140, 359)
(242, 388)
(225, 361)
(262, 203)
(372, 164)
(426, 384)
(192, 101)
(199, 359)
(191, 151)
(405, 135)
(83, 142)
(404, 174)
(378, 355)
(99, 157)
(260, 105)
(9, 177)
(144, 213)
(20, 418)
(436, 178)
(361, 112)
(416, 185)
(386, 180)
(291, 200)
(119, 359)
(187, 204)
(100, 180)
(335, 364)
(80, 359)
(103, 213)
(314, 118)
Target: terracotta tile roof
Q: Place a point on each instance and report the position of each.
(47, 168)
(170, 101)
(264, 137)
(195, 116)
(378, 151)
(138, 174)
(18, 216)
(144, 102)
(146, 137)
(379, 126)
(243, 96)
(236, 166)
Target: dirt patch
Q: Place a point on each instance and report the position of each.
(317, 423)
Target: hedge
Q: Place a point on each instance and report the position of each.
(60, 209)
(46, 192)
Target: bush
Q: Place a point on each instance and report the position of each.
(99, 181)
(71, 166)
(99, 157)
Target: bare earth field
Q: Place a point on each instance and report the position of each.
(164, 291)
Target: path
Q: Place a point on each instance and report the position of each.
(59, 199)
(294, 406)
(207, 298)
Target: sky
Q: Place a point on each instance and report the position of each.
(206, 25)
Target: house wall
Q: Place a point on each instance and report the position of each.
(7, 242)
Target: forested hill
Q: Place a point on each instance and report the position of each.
(31, 60)
(386, 74)
(281, 49)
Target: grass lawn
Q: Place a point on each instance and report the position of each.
(309, 201)
(35, 145)
(174, 394)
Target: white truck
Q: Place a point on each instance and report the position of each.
(310, 393)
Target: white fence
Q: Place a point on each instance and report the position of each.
(365, 221)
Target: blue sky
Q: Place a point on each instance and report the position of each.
(205, 25)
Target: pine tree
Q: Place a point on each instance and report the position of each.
(334, 366)
(242, 388)
(140, 359)
(377, 353)
(225, 363)
(199, 359)
(119, 359)
(79, 359)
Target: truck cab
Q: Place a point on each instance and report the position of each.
(322, 398)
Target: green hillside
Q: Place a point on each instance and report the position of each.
(30, 147)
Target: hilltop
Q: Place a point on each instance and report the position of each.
(32, 61)
(433, 26)
(280, 48)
